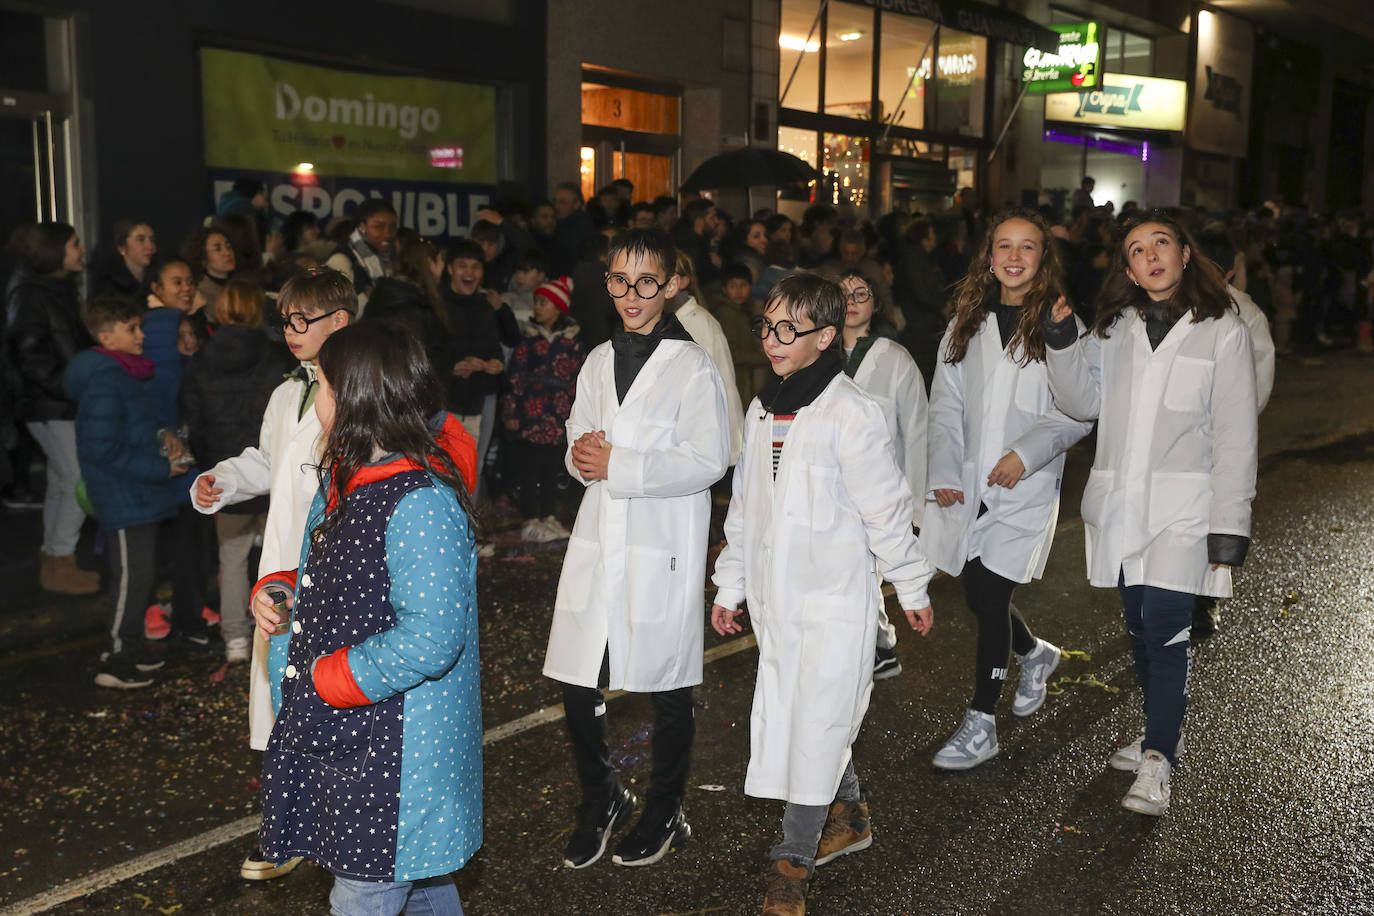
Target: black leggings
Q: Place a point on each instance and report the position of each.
(1000, 629)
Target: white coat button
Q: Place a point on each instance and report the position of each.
(291, 671)
(305, 581)
(295, 626)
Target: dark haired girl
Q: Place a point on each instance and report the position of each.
(124, 271)
(378, 662)
(1167, 372)
(997, 448)
(43, 331)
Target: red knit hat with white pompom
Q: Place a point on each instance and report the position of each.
(559, 292)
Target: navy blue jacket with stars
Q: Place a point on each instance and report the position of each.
(388, 787)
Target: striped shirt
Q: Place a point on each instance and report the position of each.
(781, 424)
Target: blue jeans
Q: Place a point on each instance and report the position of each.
(1158, 622)
(426, 897)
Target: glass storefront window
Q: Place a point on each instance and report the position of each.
(849, 61)
(844, 162)
(964, 163)
(961, 88)
(904, 39)
(797, 53)
(800, 143)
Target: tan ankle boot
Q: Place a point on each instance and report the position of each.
(786, 893)
(62, 575)
(846, 830)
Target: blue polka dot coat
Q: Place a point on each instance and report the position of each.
(390, 790)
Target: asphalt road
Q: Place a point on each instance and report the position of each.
(144, 802)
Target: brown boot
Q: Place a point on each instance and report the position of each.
(846, 830)
(62, 575)
(786, 893)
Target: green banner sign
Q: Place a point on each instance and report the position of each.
(1077, 66)
(267, 114)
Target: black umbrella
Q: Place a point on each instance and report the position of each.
(748, 167)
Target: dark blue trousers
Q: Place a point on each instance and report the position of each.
(1158, 622)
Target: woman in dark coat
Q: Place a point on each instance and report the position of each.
(43, 331)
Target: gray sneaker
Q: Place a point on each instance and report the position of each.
(1150, 792)
(974, 742)
(1127, 757)
(1036, 667)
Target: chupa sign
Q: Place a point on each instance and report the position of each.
(1075, 67)
(1142, 102)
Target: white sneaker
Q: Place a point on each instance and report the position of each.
(1036, 667)
(536, 532)
(1150, 792)
(238, 649)
(974, 742)
(486, 551)
(1127, 757)
(552, 523)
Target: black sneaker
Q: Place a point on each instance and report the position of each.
(594, 829)
(121, 674)
(885, 664)
(661, 828)
(146, 661)
(197, 634)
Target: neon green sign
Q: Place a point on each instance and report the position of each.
(1076, 67)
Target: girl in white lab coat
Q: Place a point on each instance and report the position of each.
(997, 446)
(689, 309)
(1168, 372)
(886, 372)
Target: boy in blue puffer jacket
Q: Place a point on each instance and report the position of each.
(131, 483)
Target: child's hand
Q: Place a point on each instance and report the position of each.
(947, 498)
(493, 366)
(513, 425)
(206, 491)
(266, 614)
(1221, 566)
(1007, 473)
(591, 455)
(174, 447)
(921, 619)
(1061, 310)
(493, 298)
(725, 621)
(176, 468)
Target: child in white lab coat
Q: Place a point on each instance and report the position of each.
(886, 372)
(818, 509)
(1168, 372)
(996, 457)
(648, 435)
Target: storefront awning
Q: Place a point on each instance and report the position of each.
(978, 18)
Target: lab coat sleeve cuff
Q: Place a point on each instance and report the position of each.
(1227, 549)
(1060, 335)
(729, 598)
(625, 472)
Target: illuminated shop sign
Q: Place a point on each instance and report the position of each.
(1142, 102)
(1076, 66)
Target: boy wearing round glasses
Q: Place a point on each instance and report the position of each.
(648, 435)
(818, 510)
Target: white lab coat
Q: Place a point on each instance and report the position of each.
(1261, 342)
(705, 330)
(891, 377)
(981, 408)
(1177, 447)
(284, 464)
(633, 579)
(805, 550)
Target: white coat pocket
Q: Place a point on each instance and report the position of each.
(1180, 500)
(1033, 389)
(1190, 384)
(811, 495)
(1099, 487)
(581, 572)
(653, 583)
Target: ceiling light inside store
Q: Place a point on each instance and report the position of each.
(851, 36)
(793, 43)
(305, 167)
